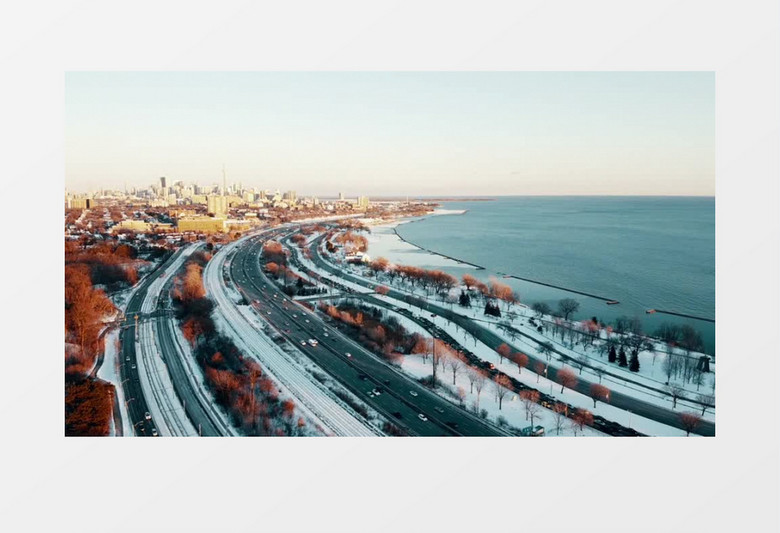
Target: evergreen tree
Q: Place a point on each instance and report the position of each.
(633, 364)
(464, 300)
(612, 354)
(622, 361)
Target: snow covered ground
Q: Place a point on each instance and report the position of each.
(626, 418)
(109, 371)
(615, 382)
(164, 405)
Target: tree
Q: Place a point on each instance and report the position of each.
(567, 306)
(566, 378)
(706, 400)
(599, 371)
(530, 399)
(560, 411)
(546, 349)
(580, 419)
(541, 308)
(676, 392)
(581, 361)
(503, 352)
(469, 281)
(690, 421)
(599, 392)
(381, 289)
(455, 365)
(633, 365)
(612, 354)
(502, 386)
(521, 360)
(464, 300)
(539, 368)
(479, 383)
(622, 361)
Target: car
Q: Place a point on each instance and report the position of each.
(376, 392)
(422, 417)
(370, 394)
(132, 366)
(313, 342)
(154, 432)
(303, 343)
(326, 334)
(413, 393)
(438, 410)
(397, 414)
(453, 425)
(147, 416)
(348, 354)
(269, 312)
(307, 320)
(362, 377)
(127, 358)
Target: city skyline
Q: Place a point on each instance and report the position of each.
(391, 134)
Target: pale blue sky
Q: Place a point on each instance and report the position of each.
(458, 133)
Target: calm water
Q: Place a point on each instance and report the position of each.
(645, 252)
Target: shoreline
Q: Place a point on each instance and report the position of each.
(394, 227)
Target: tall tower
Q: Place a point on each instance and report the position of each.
(224, 180)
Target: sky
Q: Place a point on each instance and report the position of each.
(395, 133)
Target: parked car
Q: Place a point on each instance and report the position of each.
(422, 417)
(413, 393)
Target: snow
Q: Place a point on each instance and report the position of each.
(574, 398)
(109, 371)
(164, 405)
(317, 402)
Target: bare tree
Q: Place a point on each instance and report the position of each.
(580, 419)
(560, 410)
(566, 378)
(546, 349)
(690, 421)
(676, 392)
(472, 375)
(479, 384)
(706, 400)
(580, 362)
(599, 392)
(541, 308)
(455, 365)
(567, 306)
(599, 371)
(529, 398)
(502, 386)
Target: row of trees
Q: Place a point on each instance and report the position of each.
(88, 401)
(239, 384)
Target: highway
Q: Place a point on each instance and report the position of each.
(244, 326)
(155, 337)
(128, 369)
(617, 399)
(402, 400)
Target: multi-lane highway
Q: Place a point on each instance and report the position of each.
(403, 401)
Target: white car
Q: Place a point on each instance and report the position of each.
(348, 354)
(154, 432)
(326, 334)
(422, 417)
(413, 393)
(148, 416)
(303, 343)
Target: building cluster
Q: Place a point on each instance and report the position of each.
(212, 208)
